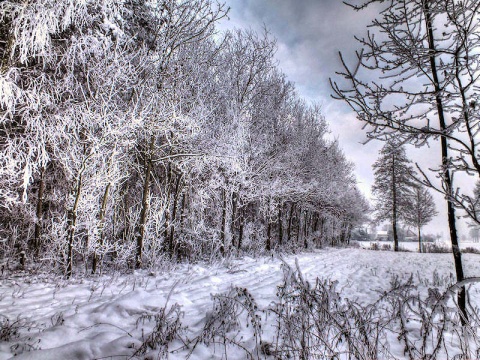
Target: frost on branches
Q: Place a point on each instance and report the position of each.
(133, 132)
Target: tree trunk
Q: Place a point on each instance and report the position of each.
(395, 233)
(233, 218)
(145, 204)
(268, 246)
(349, 233)
(280, 227)
(166, 214)
(240, 230)
(394, 205)
(71, 223)
(322, 230)
(457, 256)
(315, 222)
(125, 219)
(289, 230)
(331, 229)
(101, 222)
(305, 223)
(299, 220)
(420, 247)
(39, 212)
(183, 205)
(171, 248)
(223, 230)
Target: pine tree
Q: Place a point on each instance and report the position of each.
(392, 187)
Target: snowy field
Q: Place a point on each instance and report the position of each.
(98, 318)
(413, 246)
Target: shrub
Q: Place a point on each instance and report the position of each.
(377, 246)
(315, 319)
(167, 327)
(222, 323)
(10, 329)
(471, 250)
(434, 248)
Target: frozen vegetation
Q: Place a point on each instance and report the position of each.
(144, 156)
(345, 303)
(134, 131)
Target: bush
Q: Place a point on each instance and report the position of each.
(471, 250)
(10, 329)
(225, 319)
(313, 318)
(167, 327)
(377, 246)
(434, 248)
(386, 247)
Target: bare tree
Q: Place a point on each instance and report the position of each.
(131, 130)
(422, 211)
(421, 61)
(178, 24)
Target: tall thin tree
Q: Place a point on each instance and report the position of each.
(422, 211)
(420, 58)
(392, 186)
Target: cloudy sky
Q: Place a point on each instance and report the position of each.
(309, 34)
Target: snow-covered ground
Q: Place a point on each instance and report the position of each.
(413, 245)
(97, 318)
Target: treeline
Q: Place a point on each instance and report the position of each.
(132, 132)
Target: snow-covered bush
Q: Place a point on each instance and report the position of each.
(436, 248)
(167, 327)
(314, 320)
(10, 329)
(231, 311)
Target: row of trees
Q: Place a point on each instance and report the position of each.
(416, 80)
(132, 132)
(398, 196)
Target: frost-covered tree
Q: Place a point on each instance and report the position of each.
(416, 80)
(476, 197)
(474, 233)
(475, 206)
(392, 187)
(132, 132)
(422, 210)
(63, 103)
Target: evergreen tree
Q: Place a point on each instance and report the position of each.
(392, 187)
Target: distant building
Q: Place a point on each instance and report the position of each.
(382, 235)
(410, 236)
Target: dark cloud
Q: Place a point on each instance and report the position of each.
(309, 32)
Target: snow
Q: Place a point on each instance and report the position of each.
(100, 314)
(413, 245)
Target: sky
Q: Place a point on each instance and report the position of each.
(310, 34)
